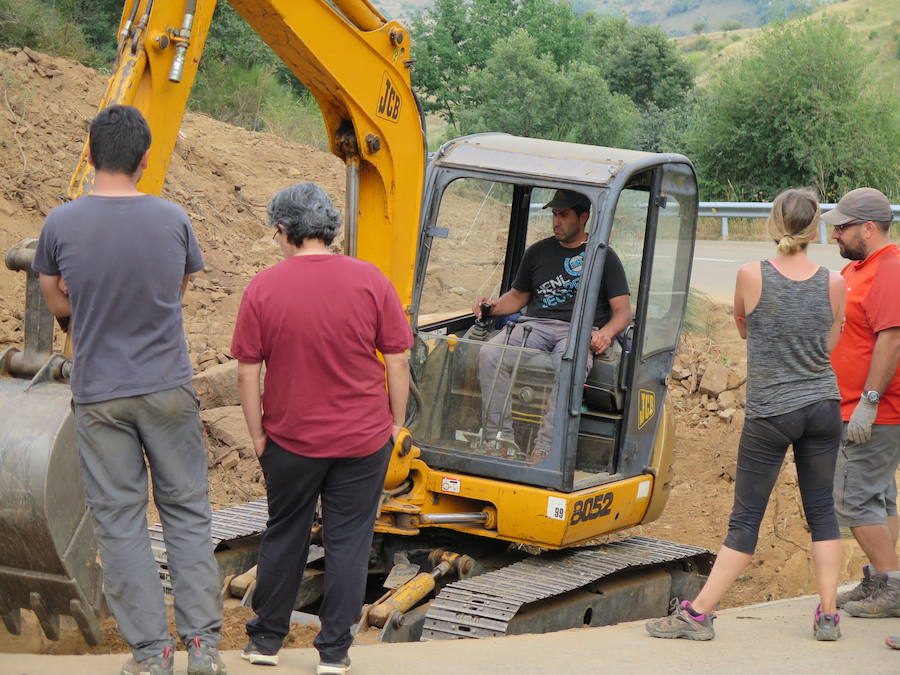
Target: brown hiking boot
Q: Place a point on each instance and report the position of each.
(869, 584)
(884, 602)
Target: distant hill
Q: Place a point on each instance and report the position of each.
(874, 23)
(675, 17)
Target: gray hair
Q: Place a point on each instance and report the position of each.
(304, 211)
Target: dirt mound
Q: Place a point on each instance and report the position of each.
(222, 175)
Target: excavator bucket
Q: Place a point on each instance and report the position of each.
(48, 554)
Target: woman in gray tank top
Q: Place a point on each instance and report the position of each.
(790, 311)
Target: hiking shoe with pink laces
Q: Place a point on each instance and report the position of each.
(161, 664)
(826, 627)
(683, 622)
(204, 659)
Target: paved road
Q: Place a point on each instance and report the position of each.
(716, 263)
(773, 637)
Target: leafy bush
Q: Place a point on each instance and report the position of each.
(701, 44)
(256, 99)
(731, 25)
(792, 110)
(29, 23)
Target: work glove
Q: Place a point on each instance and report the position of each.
(859, 428)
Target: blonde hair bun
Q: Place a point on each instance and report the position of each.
(794, 220)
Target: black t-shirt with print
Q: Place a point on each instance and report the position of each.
(551, 273)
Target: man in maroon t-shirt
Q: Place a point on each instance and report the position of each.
(325, 424)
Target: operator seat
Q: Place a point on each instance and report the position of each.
(602, 391)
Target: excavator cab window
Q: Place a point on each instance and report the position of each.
(481, 404)
(476, 245)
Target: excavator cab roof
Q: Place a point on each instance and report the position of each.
(573, 163)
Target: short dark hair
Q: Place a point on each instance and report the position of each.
(304, 211)
(119, 137)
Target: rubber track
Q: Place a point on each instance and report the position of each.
(483, 606)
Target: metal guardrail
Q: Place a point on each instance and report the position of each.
(726, 210)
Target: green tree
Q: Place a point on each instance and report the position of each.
(664, 130)
(524, 92)
(642, 63)
(98, 20)
(452, 40)
(793, 110)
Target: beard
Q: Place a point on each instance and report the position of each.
(851, 252)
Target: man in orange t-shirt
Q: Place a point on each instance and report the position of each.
(865, 361)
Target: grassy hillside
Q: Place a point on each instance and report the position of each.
(874, 23)
(675, 17)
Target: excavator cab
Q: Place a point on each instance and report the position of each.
(484, 199)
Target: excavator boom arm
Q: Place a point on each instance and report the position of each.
(353, 61)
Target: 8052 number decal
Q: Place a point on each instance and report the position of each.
(591, 507)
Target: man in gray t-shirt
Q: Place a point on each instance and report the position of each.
(125, 261)
(118, 262)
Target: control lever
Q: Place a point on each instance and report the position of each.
(480, 330)
(486, 308)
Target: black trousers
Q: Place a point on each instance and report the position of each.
(815, 433)
(350, 489)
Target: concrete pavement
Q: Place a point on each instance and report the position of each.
(716, 263)
(774, 637)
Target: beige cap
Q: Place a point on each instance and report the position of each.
(860, 204)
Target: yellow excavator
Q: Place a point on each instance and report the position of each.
(470, 541)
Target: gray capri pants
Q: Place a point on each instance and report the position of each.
(865, 489)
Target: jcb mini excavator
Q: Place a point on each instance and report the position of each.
(505, 544)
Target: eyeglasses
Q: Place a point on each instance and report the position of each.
(844, 226)
(278, 231)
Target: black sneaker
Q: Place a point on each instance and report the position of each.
(869, 584)
(259, 656)
(340, 668)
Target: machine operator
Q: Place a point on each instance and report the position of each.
(547, 281)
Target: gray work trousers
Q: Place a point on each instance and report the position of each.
(113, 439)
(495, 366)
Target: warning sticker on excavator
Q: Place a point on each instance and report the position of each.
(647, 408)
(556, 508)
(388, 100)
(449, 484)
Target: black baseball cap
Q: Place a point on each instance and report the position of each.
(566, 199)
